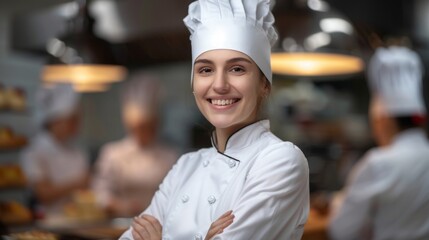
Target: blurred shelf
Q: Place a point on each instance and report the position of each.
(24, 112)
(11, 177)
(98, 233)
(14, 213)
(17, 186)
(15, 143)
(316, 227)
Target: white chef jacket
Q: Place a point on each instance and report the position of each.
(388, 193)
(262, 179)
(60, 164)
(130, 174)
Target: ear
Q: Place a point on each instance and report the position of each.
(266, 89)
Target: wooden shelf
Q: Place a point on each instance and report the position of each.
(15, 112)
(11, 177)
(17, 186)
(14, 213)
(14, 144)
(316, 227)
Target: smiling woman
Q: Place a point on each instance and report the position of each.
(228, 88)
(250, 184)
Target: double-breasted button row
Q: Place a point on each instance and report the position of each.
(211, 199)
(232, 163)
(185, 198)
(206, 163)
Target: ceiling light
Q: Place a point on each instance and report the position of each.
(80, 57)
(314, 41)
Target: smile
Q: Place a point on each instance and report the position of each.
(223, 102)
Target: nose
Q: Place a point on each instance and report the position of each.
(220, 83)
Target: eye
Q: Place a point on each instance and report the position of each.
(237, 69)
(205, 70)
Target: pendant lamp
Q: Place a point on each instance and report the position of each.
(91, 87)
(83, 87)
(80, 57)
(314, 41)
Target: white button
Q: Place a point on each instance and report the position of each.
(205, 163)
(211, 199)
(198, 237)
(232, 163)
(185, 198)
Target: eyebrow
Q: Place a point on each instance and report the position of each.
(232, 60)
(203, 61)
(239, 59)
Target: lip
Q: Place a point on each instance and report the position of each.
(227, 105)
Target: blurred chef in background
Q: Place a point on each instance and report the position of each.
(129, 171)
(387, 194)
(54, 165)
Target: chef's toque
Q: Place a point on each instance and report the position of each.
(395, 76)
(141, 97)
(55, 102)
(242, 25)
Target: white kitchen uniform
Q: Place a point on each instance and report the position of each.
(388, 193)
(130, 174)
(61, 165)
(262, 179)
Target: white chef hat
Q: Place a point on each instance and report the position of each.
(55, 102)
(242, 25)
(141, 97)
(395, 76)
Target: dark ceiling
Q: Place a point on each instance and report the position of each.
(152, 31)
(387, 17)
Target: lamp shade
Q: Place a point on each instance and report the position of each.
(80, 57)
(315, 64)
(315, 41)
(83, 73)
(91, 87)
(83, 87)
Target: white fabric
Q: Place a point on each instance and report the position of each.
(130, 175)
(55, 102)
(388, 193)
(267, 190)
(395, 75)
(46, 159)
(242, 25)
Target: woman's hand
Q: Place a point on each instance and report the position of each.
(220, 224)
(146, 227)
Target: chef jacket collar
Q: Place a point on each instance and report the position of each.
(410, 136)
(132, 143)
(48, 140)
(242, 138)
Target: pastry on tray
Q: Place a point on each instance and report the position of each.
(14, 213)
(83, 206)
(10, 140)
(33, 235)
(11, 176)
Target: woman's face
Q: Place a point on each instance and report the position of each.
(228, 88)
